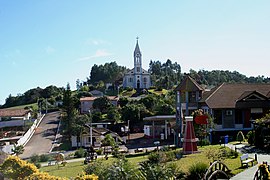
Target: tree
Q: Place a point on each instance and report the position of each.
(69, 109)
(78, 126)
(113, 114)
(108, 141)
(102, 103)
(17, 150)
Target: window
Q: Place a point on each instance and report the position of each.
(229, 112)
(138, 69)
(130, 79)
(192, 97)
(145, 79)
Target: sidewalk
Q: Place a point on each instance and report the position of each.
(248, 174)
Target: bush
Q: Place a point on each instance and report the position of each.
(204, 142)
(34, 158)
(197, 171)
(44, 158)
(80, 153)
(240, 136)
(87, 177)
(251, 137)
(154, 157)
(99, 151)
(37, 164)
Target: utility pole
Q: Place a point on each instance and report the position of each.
(91, 129)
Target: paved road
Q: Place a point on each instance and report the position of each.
(249, 173)
(41, 141)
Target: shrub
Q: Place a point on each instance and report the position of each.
(87, 177)
(197, 171)
(154, 157)
(216, 154)
(80, 153)
(204, 142)
(44, 175)
(34, 158)
(170, 156)
(99, 151)
(15, 168)
(37, 164)
(251, 137)
(44, 158)
(240, 136)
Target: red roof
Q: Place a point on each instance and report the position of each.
(13, 112)
(111, 98)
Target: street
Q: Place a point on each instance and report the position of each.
(41, 141)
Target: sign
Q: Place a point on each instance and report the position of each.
(201, 119)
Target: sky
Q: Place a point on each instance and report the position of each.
(52, 42)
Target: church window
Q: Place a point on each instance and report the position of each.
(138, 76)
(130, 79)
(145, 79)
(138, 69)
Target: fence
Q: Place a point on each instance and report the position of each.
(26, 137)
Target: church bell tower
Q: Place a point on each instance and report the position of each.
(137, 66)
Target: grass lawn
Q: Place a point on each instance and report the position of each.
(128, 93)
(154, 91)
(34, 106)
(72, 169)
(184, 163)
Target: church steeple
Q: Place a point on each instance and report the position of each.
(137, 55)
(137, 48)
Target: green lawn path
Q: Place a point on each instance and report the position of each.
(75, 168)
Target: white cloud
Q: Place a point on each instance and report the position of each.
(49, 50)
(99, 53)
(97, 42)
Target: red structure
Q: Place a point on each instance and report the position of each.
(190, 141)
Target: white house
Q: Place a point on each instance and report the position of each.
(15, 114)
(87, 103)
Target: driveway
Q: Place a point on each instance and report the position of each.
(41, 141)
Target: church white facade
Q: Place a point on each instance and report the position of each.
(137, 78)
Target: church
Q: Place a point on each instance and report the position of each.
(137, 78)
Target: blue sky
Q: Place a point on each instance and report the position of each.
(51, 42)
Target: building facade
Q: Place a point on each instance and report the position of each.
(233, 107)
(137, 78)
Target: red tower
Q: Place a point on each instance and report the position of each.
(190, 141)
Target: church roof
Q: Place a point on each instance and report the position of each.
(137, 48)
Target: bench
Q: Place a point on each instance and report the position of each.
(245, 160)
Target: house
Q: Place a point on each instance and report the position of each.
(15, 114)
(159, 127)
(98, 131)
(97, 93)
(87, 103)
(233, 107)
(137, 78)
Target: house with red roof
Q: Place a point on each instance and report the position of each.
(87, 103)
